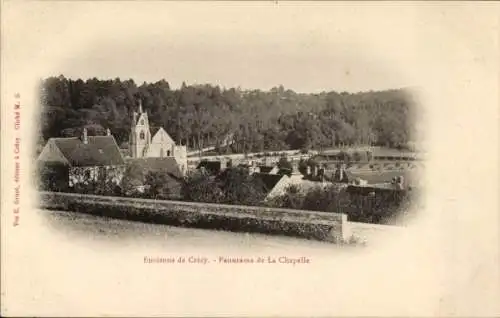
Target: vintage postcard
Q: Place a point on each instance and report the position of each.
(275, 158)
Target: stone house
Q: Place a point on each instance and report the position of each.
(87, 159)
(277, 184)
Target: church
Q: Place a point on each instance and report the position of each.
(149, 142)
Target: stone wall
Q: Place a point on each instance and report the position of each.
(326, 226)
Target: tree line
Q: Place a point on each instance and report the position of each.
(204, 115)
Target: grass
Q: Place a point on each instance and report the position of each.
(377, 176)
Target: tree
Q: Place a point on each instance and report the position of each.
(344, 156)
(161, 186)
(356, 156)
(239, 187)
(369, 156)
(203, 115)
(133, 179)
(283, 163)
(52, 177)
(202, 187)
(302, 166)
(330, 199)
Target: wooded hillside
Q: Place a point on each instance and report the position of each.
(204, 115)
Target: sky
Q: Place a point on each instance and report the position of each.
(307, 47)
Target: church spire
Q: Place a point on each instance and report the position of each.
(140, 106)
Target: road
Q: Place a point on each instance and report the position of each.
(113, 231)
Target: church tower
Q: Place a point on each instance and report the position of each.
(140, 134)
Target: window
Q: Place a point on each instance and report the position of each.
(142, 136)
(161, 152)
(142, 121)
(168, 153)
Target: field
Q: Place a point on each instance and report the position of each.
(383, 176)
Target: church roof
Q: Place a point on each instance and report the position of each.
(99, 151)
(158, 164)
(155, 129)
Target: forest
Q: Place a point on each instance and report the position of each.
(204, 115)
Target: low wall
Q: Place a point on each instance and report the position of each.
(326, 226)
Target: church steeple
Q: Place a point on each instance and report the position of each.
(140, 106)
(140, 134)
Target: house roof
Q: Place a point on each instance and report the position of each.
(99, 151)
(269, 180)
(166, 164)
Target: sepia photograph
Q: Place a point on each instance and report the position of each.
(232, 158)
(253, 158)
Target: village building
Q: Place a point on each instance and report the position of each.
(86, 159)
(277, 184)
(153, 142)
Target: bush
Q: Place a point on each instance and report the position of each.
(303, 167)
(356, 156)
(283, 163)
(328, 199)
(383, 207)
(293, 198)
(201, 187)
(161, 186)
(234, 186)
(238, 187)
(344, 156)
(52, 177)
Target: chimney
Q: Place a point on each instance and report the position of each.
(108, 132)
(84, 137)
